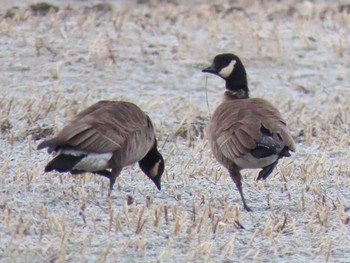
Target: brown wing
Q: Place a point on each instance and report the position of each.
(103, 127)
(236, 125)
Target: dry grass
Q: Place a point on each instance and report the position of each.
(58, 61)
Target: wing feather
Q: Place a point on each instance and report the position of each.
(247, 140)
(236, 126)
(103, 127)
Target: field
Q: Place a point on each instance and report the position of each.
(59, 58)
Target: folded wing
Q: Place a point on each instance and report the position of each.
(101, 128)
(246, 125)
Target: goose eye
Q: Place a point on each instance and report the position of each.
(226, 71)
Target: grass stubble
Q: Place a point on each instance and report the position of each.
(58, 62)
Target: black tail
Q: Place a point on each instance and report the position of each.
(285, 152)
(63, 163)
(270, 144)
(51, 144)
(266, 171)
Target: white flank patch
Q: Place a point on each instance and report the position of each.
(94, 162)
(72, 152)
(226, 71)
(250, 162)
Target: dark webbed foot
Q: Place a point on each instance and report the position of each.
(240, 190)
(247, 208)
(237, 179)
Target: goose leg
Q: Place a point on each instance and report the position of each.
(115, 173)
(237, 179)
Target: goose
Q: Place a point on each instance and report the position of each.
(245, 133)
(103, 139)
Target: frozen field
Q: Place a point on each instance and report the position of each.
(56, 62)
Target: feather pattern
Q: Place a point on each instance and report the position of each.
(114, 127)
(243, 132)
(104, 127)
(235, 128)
(107, 135)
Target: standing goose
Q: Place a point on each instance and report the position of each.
(243, 132)
(107, 135)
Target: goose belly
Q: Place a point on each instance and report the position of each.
(248, 161)
(92, 161)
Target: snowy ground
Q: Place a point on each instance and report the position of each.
(297, 55)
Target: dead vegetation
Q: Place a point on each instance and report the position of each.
(60, 60)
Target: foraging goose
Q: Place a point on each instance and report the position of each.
(107, 135)
(243, 132)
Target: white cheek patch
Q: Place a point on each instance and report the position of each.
(154, 170)
(226, 71)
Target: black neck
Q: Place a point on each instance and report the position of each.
(233, 95)
(151, 158)
(240, 87)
